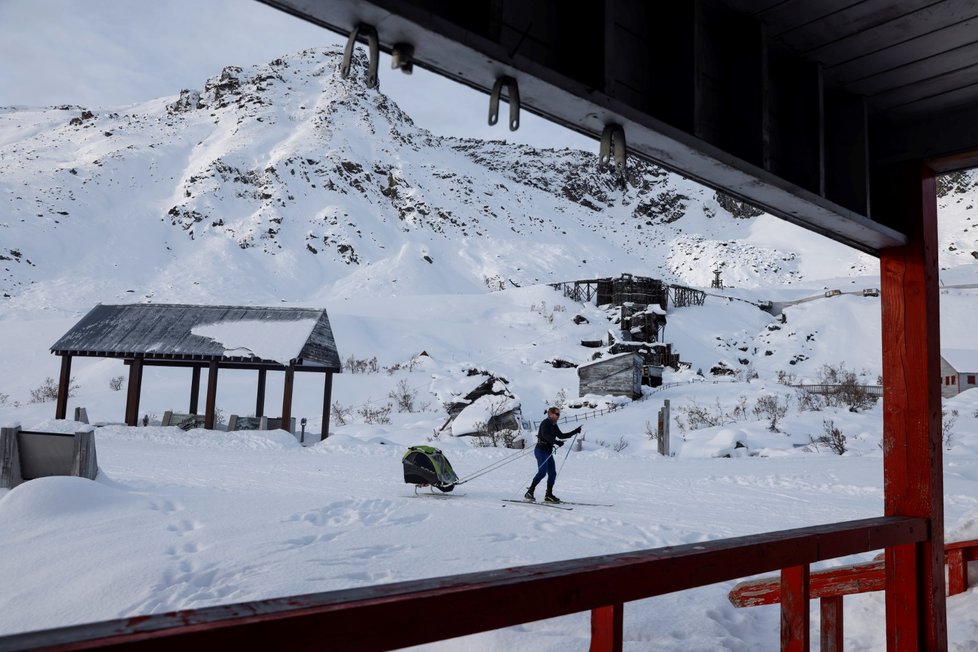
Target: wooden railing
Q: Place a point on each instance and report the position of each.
(390, 616)
(832, 584)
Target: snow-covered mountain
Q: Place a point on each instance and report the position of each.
(287, 182)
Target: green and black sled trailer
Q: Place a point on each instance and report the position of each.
(426, 466)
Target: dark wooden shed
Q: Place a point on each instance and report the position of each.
(205, 337)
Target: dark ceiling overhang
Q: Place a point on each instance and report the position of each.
(809, 109)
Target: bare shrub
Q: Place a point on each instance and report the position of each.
(787, 378)
(403, 396)
(355, 365)
(848, 390)
(772, 408)
(832, 437)
(694, 416)
(620, 445)
(652, 431)
(371, 414)
(948, 420)
(115, 383)
(4, 398)
(340, 414)
(48, 391)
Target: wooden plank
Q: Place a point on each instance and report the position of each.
(607, 626)
(795, 619)
(476, 602)
(913, 479)
(845, 580)
(831, 625)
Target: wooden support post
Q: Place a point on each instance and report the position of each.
(607, 628)
(64, 385)
(327, 401)
(194, 389)
(287, 397)
(916, 613)
(832, 628)
(210, 408)
(132, 396)
(260, 398)
(795, 620)
(957, 572)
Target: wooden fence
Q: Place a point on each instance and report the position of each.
(402, 614)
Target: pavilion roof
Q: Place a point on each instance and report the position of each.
(275, 337)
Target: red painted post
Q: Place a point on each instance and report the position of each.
(194, 389)
(916, 616)
(832, 627)
(607, 626)
(957, 572)
(795, 620)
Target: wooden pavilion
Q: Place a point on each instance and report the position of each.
(260, 339)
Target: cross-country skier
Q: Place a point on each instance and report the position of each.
(548, 440)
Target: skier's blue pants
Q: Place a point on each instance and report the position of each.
(545, 466)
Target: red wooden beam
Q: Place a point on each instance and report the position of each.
(260, 395)
(844, 580)
(475, 602)
(607, 627)
(327, 400)
(912, 448)
(795, 620)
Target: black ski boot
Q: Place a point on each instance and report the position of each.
(550, 497)
(528, 496)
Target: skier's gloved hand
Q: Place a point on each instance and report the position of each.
(576, 430)
(559, 443)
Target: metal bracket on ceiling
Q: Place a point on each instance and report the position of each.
(613, 145)
(402, 58)
(513, 90)
(368, 32)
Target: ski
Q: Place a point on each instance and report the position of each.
(427, 495)
(527, 502)
(568, 502)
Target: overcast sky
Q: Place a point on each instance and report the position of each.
(106, 53)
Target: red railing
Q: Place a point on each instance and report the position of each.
(390, 616)
(830, 585)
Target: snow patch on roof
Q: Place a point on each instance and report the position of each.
(281, 341)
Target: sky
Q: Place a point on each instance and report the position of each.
(101, 53)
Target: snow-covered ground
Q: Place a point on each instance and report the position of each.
(179, 520)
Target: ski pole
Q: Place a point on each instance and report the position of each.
(566, 455)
